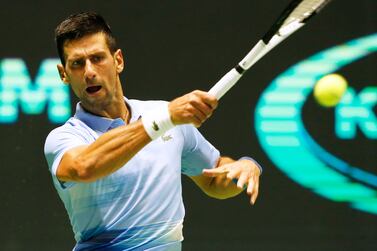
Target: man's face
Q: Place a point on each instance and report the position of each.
(91, 70)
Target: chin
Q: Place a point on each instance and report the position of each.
(100, 102)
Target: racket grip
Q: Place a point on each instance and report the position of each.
(225, 83)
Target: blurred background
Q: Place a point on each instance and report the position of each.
(174, 47)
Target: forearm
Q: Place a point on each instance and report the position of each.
(115, 148)
(108, 153)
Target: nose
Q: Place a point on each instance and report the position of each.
(89, 70)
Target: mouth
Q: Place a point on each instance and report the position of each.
(93, 89)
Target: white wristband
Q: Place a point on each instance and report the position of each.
(157, 121)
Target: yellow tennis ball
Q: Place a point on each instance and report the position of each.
(329, 90)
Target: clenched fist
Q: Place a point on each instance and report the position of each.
(192, 108)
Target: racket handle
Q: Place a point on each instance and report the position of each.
(254, 55)
(225, 83)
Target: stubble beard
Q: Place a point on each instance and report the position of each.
(98, 104)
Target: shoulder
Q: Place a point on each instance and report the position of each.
(71, 126)
(70, 130)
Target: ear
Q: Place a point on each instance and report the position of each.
(62, 74)
(119, 61)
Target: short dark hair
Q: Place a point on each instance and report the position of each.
(79, 25)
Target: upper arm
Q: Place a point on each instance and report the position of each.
(67, 169)
(60, 147)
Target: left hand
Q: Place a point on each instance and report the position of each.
(245, 171)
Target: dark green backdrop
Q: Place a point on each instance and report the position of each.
(170, 48)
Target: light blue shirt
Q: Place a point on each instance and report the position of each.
(138, 207)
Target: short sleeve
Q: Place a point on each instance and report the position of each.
(198, 153)
(57, 143)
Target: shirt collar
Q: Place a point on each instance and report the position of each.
(104, 124)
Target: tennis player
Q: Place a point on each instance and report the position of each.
(117, 163)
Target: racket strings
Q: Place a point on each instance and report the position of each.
(304, 10)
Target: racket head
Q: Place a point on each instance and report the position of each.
(297, 13)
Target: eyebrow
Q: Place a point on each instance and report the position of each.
(78, 56)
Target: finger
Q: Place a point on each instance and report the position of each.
(242, 180)
(255, 193)
(227, 181)
(199, 114)
(199, 101)
(191, 118)
(197, 121)
(214, 172)
(203, 108)
(207, 98)
(192, 115)
(220, 180)
(250, 186)
(232, 174)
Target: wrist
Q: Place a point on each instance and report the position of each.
(157, 121)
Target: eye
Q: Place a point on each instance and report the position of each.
(77, 63)
(97, 59)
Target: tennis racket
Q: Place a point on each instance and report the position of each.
(295, 15)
